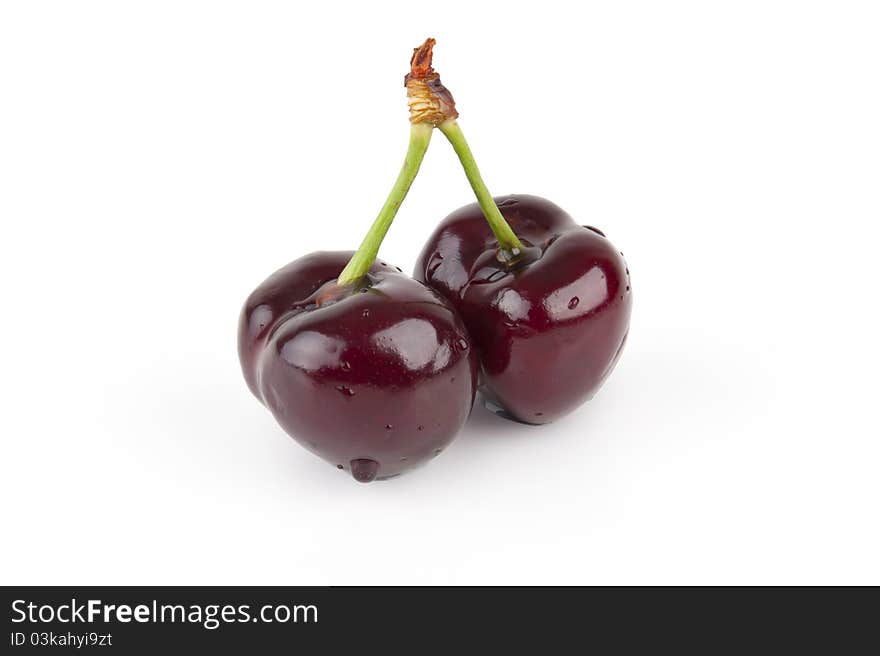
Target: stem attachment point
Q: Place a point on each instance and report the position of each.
(429, 101)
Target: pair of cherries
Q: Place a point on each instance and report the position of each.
(376, 372)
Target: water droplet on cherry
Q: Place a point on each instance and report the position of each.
(364, 470)
(573, 303)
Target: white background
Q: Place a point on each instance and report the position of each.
(159, 159)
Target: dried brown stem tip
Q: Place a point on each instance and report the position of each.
(429, 100)
(420, 64)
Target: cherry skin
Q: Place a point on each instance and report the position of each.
(548, 326)
(375, 378)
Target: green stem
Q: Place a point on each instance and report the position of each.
(360, 263)
(507, 239)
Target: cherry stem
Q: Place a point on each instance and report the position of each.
(362, 260)
(507, 239)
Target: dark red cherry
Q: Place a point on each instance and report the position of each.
(375, 378)
(548, 326)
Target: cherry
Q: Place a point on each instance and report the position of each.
(364, 366)
(375, 377)
(547, 302)
(549, 324)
